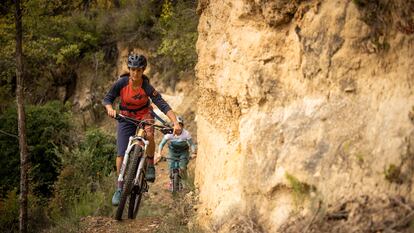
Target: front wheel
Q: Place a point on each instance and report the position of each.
(131, 172)
(137, 192)
(176, 181)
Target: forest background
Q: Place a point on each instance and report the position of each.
(71, 162)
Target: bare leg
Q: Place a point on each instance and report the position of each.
(150, 175)
(151, 147)
(119, 160)
(149, 131)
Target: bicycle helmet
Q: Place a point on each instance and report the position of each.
(180, 120)
(137, 61)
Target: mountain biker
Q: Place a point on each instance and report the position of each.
(178, 148)
(136, 94)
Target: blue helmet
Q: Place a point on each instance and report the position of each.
(137, 61)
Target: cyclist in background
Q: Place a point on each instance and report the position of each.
(136, 93)
(178, 149)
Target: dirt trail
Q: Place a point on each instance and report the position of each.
(161, 211)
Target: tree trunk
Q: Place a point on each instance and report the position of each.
(21, 121)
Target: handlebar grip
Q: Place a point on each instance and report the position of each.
(167, 131)
(117, 117)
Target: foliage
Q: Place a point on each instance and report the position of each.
(47, 127)
(178, 27)
(81, 187)
(393, 174)
(134, 23)
(71, 169)
(101, 148)
(9, 213)
(300, 189)
(84, 170)
(56, 36)
(59, 36)
(9, 210)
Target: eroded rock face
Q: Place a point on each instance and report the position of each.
(298, 105)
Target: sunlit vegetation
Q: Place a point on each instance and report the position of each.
(72, 167)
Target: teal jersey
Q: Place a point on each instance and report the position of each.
(178, 143)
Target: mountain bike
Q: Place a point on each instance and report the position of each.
(175, 176)
(134, 166)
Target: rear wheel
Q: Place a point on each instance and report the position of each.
(131, 172)
(137, 192)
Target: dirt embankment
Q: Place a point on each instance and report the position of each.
(304, 102)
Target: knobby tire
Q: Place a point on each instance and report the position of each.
(129, 180)
(136, 195)
(176, 181)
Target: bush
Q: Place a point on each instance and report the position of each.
(178, 28)
(9, 212)
(84, 171)
(47, 128)
(101, 150)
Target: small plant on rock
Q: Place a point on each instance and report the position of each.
(393, 174)
(300, 189)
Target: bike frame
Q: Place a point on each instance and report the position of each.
(136, 183)
(137, 140)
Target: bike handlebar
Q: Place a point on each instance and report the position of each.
(141, 123)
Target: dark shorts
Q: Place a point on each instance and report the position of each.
(125, 130)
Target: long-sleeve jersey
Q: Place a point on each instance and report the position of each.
(135, 101)
(178, 143)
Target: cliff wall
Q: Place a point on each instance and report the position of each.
(302, 105)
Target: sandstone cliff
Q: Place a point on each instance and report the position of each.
(303, 105)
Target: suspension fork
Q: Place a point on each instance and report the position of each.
(143, 143)
(133, 141)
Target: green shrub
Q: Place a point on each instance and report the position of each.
(101, 150)
(300, 189)
(76, 199)
(83, 171)
(47, 128)
(393, 174)
(178, 28)
(9, 212)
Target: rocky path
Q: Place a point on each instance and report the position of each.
(161, 211)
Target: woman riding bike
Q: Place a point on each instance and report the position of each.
(178, 149)
(136, 94)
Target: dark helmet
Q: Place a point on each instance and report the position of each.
(137, 61)
(180, 120)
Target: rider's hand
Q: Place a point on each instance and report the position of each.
(177, 128)
(110, 111)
